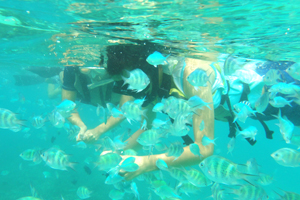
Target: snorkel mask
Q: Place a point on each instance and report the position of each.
(98, 76)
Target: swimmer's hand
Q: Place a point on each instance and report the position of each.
(145, 165)
(88, 136)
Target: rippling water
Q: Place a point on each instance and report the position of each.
(256, 29)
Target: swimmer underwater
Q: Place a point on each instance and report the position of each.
(221, 91)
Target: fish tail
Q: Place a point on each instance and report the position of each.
(207, 105)
(250, 178)
(144, 113)
(72, 165)
(209, 78)
(125, 80)
(213, 141)
(22, 122)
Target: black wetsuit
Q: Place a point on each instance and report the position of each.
(70, 73)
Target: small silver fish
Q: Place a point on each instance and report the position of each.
(161, 164)
(206, 141)
(231, 145)
(157, 58)
(194, 148)
(272, 77)
(294, 71)
(287, 157)
(279, 102)
(249, 132)
(201, 127)
(262, 103)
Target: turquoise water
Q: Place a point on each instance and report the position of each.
(56, 33)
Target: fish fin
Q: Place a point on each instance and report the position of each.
(144, 113)
(129, 120)
(125, 80)
(72, 165)
(213, 141)
(209, 78)
(22, 122)
(250, 178)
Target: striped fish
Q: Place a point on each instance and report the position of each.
(197, 178)
(57, 159)
(108, 161)
(8, 120)
(231, 65)
(289, 196)
(32, 155)
(83, 192)
(250, 192)
(132, 111)
(175, 149)
(187, 188)
(222, 170)
(149, 137)
(38, 121)
(178, 174)
(198, 78)
(137, 80)
(287, 157)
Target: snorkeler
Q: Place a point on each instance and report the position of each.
(166, 81)
(128, 57)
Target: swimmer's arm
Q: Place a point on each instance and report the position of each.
(188, 158)
(75, 118)
(148, 163)
(112, 122)
(131, 142)
(52, 91)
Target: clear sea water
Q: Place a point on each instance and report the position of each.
(58, 32)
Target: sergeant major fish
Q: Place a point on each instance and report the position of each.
(8, 120)
(38, 121)
(294, 71)
(198, 78)
(231, 65)
(250, 192)
(222, 170)
(132, 111)
(287, 157)
(57, 159)
(108, 161)
(137, 80)
(83, 192)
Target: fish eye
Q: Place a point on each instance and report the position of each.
(201, 164)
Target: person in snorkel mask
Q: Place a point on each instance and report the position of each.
(104, 84)
(120, 58)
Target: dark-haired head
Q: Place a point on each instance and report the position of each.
(129, 56)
